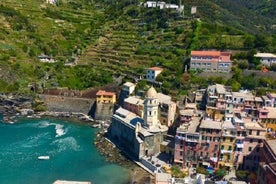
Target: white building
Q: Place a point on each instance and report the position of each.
(153, 72)
(266, 58)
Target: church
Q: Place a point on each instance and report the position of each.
(138, 136)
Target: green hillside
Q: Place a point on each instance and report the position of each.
(103, 39)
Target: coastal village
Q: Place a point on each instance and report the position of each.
(211, 135)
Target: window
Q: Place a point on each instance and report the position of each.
(222, 147)
(228, 157)
(250, 149)
(181, 153)
(258, 132)
(215, 155)
(251, 140)
(250, 132)
(259, 141)
(230, 148)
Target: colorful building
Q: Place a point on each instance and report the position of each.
(187, 143)
(227, 145)
(135, 105)
(105, 97)
(216, 102)
(267, 117)
(253, 143)
(210, 136)
(211, 61)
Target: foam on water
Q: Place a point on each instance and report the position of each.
(59, 130)
(66, 144)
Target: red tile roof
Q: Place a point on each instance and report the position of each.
(206, 53)
(106, 93)
(156, 68)
(217, 55)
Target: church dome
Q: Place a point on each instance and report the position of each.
(151, 93)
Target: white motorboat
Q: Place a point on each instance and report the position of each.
(43, 157)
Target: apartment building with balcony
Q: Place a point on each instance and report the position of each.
(267, 167)
(211, 61)
(227, 145)
(253, 143)
(240, 137)
(187, 144)
(216, 101)
(267, 117)
(210, 135)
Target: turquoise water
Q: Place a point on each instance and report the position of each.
(69, 145)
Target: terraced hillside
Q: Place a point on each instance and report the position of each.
(111, 37)
(130, 48)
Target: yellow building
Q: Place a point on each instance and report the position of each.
(267, 118)
(227, 145)
(105, 97)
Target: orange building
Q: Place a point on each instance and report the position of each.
(105, 97)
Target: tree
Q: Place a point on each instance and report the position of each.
(273, 67)
(243, 64)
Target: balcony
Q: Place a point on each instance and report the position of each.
(226, 151)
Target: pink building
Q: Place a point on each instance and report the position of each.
(253, 143)
(187, 144)
(135, 105)
(210, 132)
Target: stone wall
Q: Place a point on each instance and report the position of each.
(67, 104)
(104, 111)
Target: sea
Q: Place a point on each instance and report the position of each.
(69, 146)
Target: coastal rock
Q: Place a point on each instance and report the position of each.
(113, 154)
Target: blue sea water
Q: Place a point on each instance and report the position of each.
(69, 145)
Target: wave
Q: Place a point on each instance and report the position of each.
(66, 144)
(60, 131)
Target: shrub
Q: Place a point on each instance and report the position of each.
(241, 174)
(201, 170)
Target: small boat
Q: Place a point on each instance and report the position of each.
(43, 157)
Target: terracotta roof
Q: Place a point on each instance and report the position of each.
(156, 68)
(222, 56)
(206, 53)
(106, 93)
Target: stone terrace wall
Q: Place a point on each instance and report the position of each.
(67, 104)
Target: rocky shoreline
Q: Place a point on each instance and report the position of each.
(113, 155)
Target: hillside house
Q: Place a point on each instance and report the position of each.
(266, 58)
(211, 61)
(152, 73)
